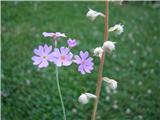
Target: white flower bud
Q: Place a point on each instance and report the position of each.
(112, 84)
(98, 51)
(89, 95)
(118, 29)
(108, 46)
(92, 15)
(84, 98)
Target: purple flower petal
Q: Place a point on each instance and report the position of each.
(64, 51)
(53, 35)
(58, 34)
(44, 63)
(43, 56)
(68, 60)
(87, 69)
(37, 60)
(67, 63)
(40, 49)
(84, 55)
(71, 43)
(47, 49)
(56, 53)
(70, 55)
(50, 57)
(85, 62)
(37, 52)
(62, 57)
(77, 59)
(46, 34)
(81, 69)
(89, 61)
(57, 62)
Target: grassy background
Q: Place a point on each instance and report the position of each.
(31, 94)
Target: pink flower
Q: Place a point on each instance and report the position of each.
(71, 43)
(54, 35)
(43, 55)
(62, 56)
(85, 62)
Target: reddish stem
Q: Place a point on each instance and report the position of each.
(100, 69)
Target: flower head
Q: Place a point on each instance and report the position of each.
(62, 57)
(92, 15)
(71, 43)
(112, 84)
(118, 29)
(85, 97)
(85, 62)
(53, 35)
(42, 55)
(98, 52)
(108, 46)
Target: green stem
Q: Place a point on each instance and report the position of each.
(59, 89)
(60, 94)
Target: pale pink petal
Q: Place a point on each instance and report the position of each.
(70, 56)
(47, 49)
(81, 69)
(36, 60)
(51, 57)
(44, 63)
(84, 55)
(89, 61)
(46, 34)
(40, 49)
(87, 69)
(37, 52)
(64, 51)
(77, 59)
(57, 62)
(58, 34)
(67, 62)
(56, 53)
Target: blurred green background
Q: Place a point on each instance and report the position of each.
(29, 93)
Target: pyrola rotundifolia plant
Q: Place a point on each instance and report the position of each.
(62, 56)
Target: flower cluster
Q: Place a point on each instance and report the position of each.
(62, 56)
(107, 47)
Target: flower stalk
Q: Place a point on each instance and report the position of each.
(59, 88)
(100, 69)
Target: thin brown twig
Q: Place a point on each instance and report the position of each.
(100, 69)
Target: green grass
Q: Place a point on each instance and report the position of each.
(31, 94)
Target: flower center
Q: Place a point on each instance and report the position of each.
(83, 62)
(63, 57)
(44, 57)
